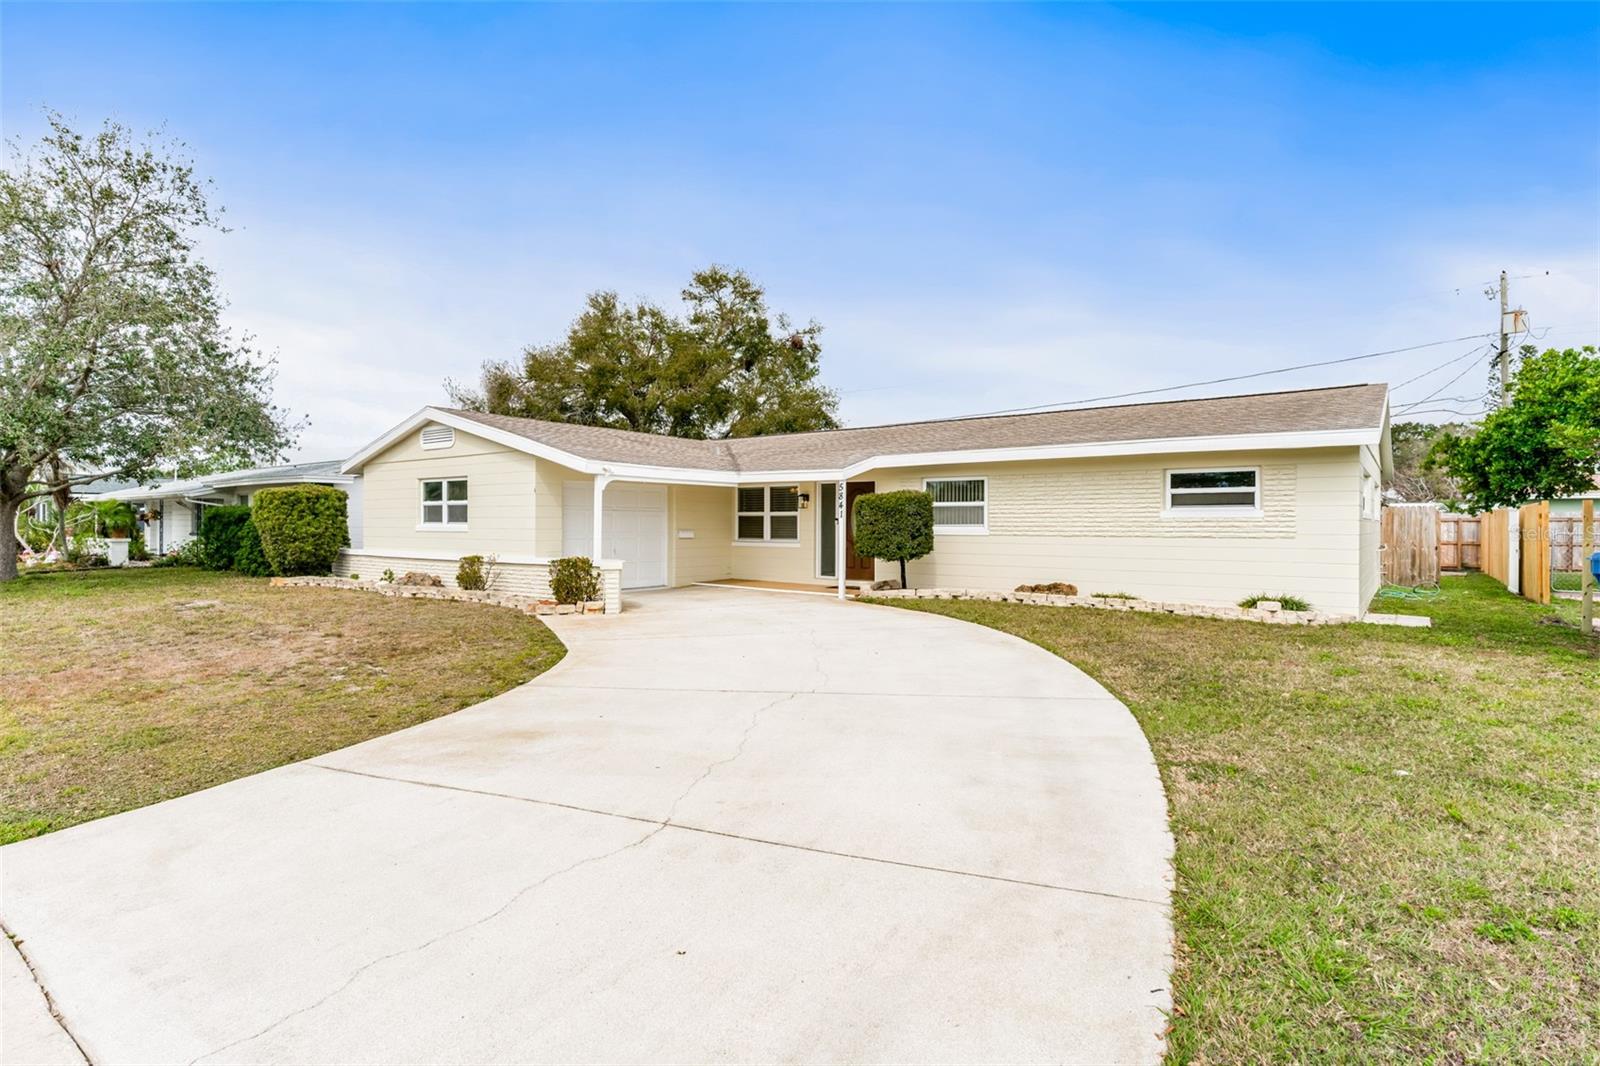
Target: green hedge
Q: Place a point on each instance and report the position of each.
(574, 580)
(250, 560)
(220, 529)
(302, 528)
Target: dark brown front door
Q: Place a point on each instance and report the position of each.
(856, 567)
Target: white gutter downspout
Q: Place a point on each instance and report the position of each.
(840, 524)
(600, 482)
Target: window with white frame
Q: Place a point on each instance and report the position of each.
(1214, 491)
(444, 503)
(960, 504)
(768, 513)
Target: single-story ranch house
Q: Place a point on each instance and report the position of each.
(1200, 501)
(172, 508)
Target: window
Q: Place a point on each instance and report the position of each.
(960, 505)
(768, 513)
(1214, 491)
(444, 503)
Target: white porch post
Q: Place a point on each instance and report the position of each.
(840, 524)
(600, 483)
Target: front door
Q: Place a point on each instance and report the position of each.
(856, 567)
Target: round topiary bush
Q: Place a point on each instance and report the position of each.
(302, 528)
(895, 526)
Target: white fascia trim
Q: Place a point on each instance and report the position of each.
(694, 476)
(267, 483)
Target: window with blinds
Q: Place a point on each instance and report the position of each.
(960, 505)
(1213, 491)
(768, 513)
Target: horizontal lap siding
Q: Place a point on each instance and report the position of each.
(500, 488)
(1371, 536)
(786, 561)
(1097, 523)
(706, 512)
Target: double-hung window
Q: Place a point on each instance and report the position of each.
(1203, 492)
(960, 504)
(444, 503)
(768, 514)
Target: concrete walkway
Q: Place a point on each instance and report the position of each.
(729, 826)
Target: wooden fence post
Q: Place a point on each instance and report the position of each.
(1583, 567)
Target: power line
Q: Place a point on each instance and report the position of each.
(1434, 370)
(1234, 377)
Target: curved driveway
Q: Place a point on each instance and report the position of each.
(730, 825)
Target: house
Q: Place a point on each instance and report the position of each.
(1573, 505)
(1203, 501)
(174, 507)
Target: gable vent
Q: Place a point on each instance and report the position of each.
(438, 437)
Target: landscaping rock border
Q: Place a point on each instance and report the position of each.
(1267, 612)
(525, 604)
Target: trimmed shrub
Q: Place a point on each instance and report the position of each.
(220, 528)
(469, 575)
(302, 528)
(574, 580)
(250, 560)
(895, 526)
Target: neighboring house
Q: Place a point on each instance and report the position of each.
(1573, 505)
(175, 506)
(1203, 501)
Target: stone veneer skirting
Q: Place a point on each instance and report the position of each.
(1193, 610)
(527, 581)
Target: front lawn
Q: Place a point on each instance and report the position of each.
(1387, 838)
(119, 688)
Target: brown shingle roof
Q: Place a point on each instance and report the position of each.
(1303, 411)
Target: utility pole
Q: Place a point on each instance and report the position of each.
(1505, 343)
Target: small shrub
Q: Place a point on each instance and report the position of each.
(1289, 603)
(220, 528)
(355, 577)
(574, 580)
(249, 559)
(418, 578)
(1113, 595)
(895, 526)
(137, 552)
(302, 527)
(1054, 588)
(469, 575)
(388, 577)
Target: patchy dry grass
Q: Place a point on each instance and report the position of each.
(121, 688)
(1387, 838)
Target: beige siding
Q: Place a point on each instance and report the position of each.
(707, 513)
(1068, 520)
(780, 561)
(500, 488)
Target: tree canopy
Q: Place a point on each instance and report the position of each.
(894, 526)
(1413, 481)
(1544, 444)
(724, 367)
(113, 358)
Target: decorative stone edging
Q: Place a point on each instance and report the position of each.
(525, 604)
(1266, 613)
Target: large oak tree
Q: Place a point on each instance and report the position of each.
(113, 358)
(724, 367)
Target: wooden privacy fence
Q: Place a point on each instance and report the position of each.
(1566, 543)
(1535, 530)
(1460, 536)
(1494, 548)
(1411, 544)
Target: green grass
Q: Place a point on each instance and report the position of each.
(119, 688)
(1387, 838)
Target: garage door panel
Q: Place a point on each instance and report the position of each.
(634, 530)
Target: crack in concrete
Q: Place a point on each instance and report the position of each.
(657, 827)
(49, 1000)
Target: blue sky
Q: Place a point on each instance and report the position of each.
(986, 207)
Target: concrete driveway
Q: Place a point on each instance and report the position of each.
(730, 825)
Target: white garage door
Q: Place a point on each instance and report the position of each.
(634, 530)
